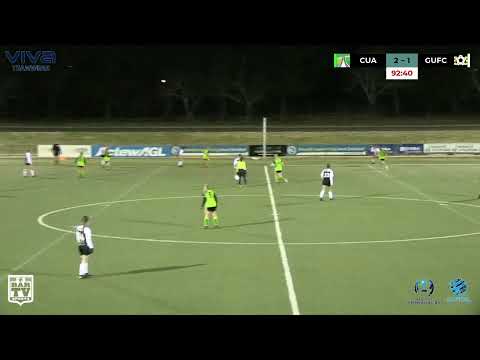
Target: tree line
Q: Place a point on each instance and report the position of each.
(223, 81)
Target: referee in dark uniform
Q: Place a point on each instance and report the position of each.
(56, 151)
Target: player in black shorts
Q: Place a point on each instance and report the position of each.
(56, 151)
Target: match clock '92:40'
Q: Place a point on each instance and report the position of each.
(401, 73)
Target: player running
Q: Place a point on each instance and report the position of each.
(327, 181)
(279, 165)
(382, 156)
(81, 163)
(209, 203)
(106, 157)
(28, 169)
(83, 235)
(241, 171)
(205, 157)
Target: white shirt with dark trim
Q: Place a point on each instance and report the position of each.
(84, 236)
(28, 158)
(328, 174)
(235, 161)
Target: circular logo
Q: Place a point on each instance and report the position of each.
(175, 150)
(291, 150)
(424, 287)
(458, 286)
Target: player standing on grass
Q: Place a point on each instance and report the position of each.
(205, 157)
(81, 163)
(83, 235)
(382, 156)
(235, 161)
(327, 181)
(180, 157)
(374, 151)
(56, 151)
(279, 165)
(28, 169)
(242, 171)
(209, 204)
(106, 158)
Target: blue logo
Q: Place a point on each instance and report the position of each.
(31, 61)
(458, 286)
(424, 287)
(459, 289)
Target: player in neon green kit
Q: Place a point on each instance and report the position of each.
(81, 163)
(382, 156)
(279, 164)
(205, 157)
(209, 203)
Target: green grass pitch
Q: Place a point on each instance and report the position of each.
(358, 254)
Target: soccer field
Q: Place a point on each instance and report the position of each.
(361, 253)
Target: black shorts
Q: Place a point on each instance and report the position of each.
(326, 182)
(211, 209)
(85, 250)
(278, 171)
(242, 172)
(382, 159)
(27, 164)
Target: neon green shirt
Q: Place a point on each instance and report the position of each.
(205, 154)
(210, 199)
(241, 165)
(278, 164)
(81, 161)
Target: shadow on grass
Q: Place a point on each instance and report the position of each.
(121, 273)
(152, 222)
(147, 270)
(254, 223)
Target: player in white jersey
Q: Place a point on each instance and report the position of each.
(235, 161)
(375, 150)
(28, 169)
(327, 181)
(83, 235)
(180, 157)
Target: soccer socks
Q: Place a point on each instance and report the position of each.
(83, 269)
(205, 221)
(32, 172)
(321, 193)
(215, 220)
(330, 195)
(25, 172)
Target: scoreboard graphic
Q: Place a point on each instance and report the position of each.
(402, 67)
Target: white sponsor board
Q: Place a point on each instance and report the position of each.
(465, 148)
(338, 153)
(68, 151)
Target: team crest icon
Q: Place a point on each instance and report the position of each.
(20, 289)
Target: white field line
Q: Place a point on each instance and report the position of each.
(418, 191)
(283, 253)
(61, 237)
